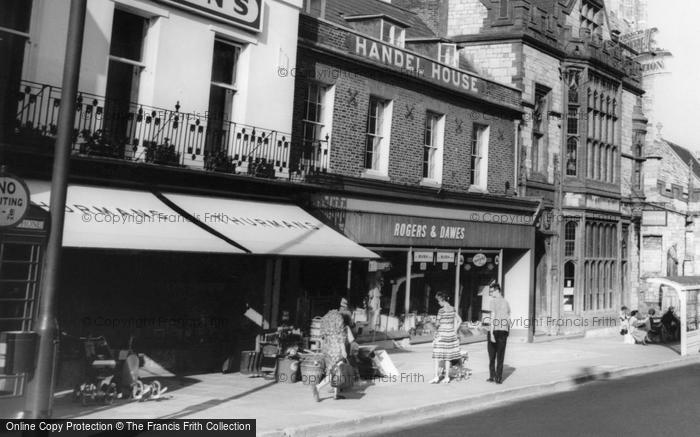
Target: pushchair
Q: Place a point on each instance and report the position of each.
(100, 382)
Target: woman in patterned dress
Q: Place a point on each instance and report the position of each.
(446, 342)
(334, 347)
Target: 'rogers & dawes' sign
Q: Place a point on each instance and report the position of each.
(241, 13)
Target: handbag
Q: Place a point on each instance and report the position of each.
(342, 375)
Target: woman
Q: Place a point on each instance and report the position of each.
(639, 335)
(334, 347)
(446, 342)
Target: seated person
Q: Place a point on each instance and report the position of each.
(637, 327)
(671, 325)
(653, 326)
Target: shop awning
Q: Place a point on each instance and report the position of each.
(268, 228)
(113, 218)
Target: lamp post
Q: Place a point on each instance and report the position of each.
(40, 388)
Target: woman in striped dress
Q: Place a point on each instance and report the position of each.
(446, 342)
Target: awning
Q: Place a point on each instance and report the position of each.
(269, 227)
(112, 218)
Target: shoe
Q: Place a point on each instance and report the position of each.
(499, 380)
(314, 391)
(446, 380)
(490, 380)
(435, 380)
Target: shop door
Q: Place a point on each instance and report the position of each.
(475, 280)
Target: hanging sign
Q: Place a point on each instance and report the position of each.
(445, 257)
(479, 259)
(423, 257)
(14, 200)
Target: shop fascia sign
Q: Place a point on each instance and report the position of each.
(413, 64)
(241, 13)
(14, 200)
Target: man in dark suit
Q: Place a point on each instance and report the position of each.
(498, 333)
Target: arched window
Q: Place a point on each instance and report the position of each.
(570, 239)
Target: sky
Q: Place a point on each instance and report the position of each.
(677, 104)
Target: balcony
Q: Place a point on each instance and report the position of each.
(166, 137)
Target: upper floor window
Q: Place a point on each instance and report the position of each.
(603, 127)
(590, 18)
(15, 15)
(432, 147)
(479, 158)
(221, 92)
(448, 55)
(503, 12)
(313, 114)
(392, 33)
(377, 135)
(570, 239)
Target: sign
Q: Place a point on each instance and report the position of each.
(241, 13)
(654, 218)
(423, 257)
(641, 41)
(479, 259)
(445, 257)
(14, 200)
(414, 64)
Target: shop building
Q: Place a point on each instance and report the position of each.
(581, 92)
(669, 245)
(417, 156)
(182, 146)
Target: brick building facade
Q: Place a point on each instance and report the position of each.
(403, 131)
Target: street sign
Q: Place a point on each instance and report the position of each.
(14, 200)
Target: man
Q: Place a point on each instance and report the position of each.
(498, 333)
(671, 325)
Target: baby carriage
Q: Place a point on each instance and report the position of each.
(458, 367)
(99, 384)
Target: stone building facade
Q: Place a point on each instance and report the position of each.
(578, 141)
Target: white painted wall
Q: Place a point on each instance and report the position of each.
(178, 56)
(516, 290)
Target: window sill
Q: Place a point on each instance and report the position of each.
(477, 189)
(432, 183)
(374, 174)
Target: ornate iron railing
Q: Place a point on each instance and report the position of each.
(136, 132)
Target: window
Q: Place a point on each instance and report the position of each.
(448, 55)
(14, 35)
(377, 136)
(221, 92)
(479, 158)
(590, 18)
(392, 34)
(315, 129)
(638, 160)
(602, 143)
(570, 239)
(432, 147)
(539, 125)
(571, 154)
(503, 12)
(601, 259)
(125, 66)
(569, 274)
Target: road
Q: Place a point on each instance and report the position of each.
(655, 404)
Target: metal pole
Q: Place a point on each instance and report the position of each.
(407, 295)
(41, 386)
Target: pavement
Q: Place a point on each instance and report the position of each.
(532, 370)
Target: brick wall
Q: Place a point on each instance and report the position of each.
(353, 88)
(496, 61)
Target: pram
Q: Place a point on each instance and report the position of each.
(99, 384)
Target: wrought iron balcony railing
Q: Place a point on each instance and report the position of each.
(136, 132)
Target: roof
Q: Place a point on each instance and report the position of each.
(337, 10)
(686, 156)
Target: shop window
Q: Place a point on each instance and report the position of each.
(570, 239)
(432, 147)
(377, 135)
(479, 157)
(125, 67)
(448, 54)
(392, 34)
